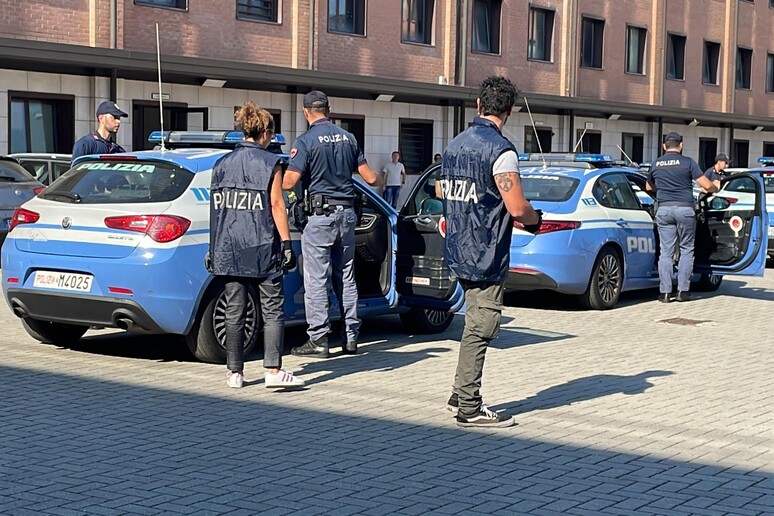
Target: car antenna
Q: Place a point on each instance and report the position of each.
(534, 129)
(161, 102)
(580, 140)
(627, 156)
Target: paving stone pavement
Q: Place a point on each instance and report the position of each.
(618, 414)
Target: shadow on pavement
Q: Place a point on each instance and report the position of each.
(95, 446)
(738, 288)
(583, 389)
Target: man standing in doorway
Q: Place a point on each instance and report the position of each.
(395, 177)
(101, 141)
(482, 194)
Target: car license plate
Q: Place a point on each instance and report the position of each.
(63, 281)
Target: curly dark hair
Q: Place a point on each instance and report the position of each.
(497, 95)
(253, 120)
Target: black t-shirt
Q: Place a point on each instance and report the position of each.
(673, 175)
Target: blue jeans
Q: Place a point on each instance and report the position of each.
(391, 194)
(328, 242)
(676, 226)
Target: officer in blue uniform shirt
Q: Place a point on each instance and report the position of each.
(482, 195)
(718, 171)
(101, 141)
(671, 176)
(250, 244)
(324, 159)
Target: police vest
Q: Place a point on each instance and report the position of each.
(243, 236)
(478, 227)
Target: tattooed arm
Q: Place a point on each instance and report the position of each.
(509, 185)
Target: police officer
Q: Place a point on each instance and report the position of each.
(324, 159)
(109, 117)
(482, 195)
(717, 171)
(671, 176)
(250, 243)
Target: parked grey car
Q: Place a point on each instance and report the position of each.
(46, 168)
(17, 186)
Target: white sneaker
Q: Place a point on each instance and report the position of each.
(282, 380)
(235, 380)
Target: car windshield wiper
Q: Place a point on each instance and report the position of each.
(67, 195)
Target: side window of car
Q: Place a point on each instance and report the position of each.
(614, 191)
(427, 197)
(637, 182)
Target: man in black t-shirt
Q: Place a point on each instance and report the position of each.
(671, 176)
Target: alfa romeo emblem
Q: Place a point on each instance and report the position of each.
(67, 222)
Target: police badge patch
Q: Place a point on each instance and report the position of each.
(293, 153)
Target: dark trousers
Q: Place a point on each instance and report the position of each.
(483, 311)
(271, 298)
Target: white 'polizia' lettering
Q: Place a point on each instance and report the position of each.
(123, 167)
(667, 163)
(242, 200)
(459, 190)
(333, 138)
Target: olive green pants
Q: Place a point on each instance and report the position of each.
(484, 305)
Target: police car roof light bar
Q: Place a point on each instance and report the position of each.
(766, 160)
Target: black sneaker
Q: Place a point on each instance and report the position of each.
(683, 296)
(312, 348)
(453, 405)
(348, 348)
(485, 418)
(665, 298)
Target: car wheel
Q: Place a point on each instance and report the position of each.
(708, 282)
(426, 320)
(53, 333)
(606, 281)
(207, 338)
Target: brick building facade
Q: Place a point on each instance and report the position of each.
(598, 74)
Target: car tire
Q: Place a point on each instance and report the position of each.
(425, 320)
(58, 334)
(708, 282)
(206, 340)
(606, 281)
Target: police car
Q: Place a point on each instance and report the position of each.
(766, 170)
(598, 236)
(119, 242)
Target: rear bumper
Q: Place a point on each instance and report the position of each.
(82, 310)
(529, 280)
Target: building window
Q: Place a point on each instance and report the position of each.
(769, 73)
(258, 10)
(276, 115)
(589, 141)
(740, 153)
(743, 67)
(418, 21)
(544, 136)
(415, 144)
(633, 146)
(173, 4)
(346, 16)
(591, 48)
(768, 149)
(635, 49)
(711, 60)
(675, 57)
(355, 124)
(486, 26)
(541, 31)
(708, 149)
(41, 123)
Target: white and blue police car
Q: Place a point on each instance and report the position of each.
(598, 236)
(766, 170)
(119, 241)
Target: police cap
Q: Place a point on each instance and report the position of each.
(110, 108)
(722, 157)
(315, 99)
(673, 137)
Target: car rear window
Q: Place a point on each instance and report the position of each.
(548, 188)
(768, 181)
(120, 182)
(13, 173)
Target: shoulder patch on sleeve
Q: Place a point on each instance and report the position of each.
(293, 152)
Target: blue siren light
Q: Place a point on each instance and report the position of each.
(766, 160)
(594, 158)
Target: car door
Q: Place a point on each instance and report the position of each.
(422, 278)
(731, 230)
(634, 226)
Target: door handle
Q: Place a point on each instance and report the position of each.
(621, 222)
(425, 221)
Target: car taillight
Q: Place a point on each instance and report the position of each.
(22, 216)
(161, 228)
(731, 200)
(38, 190)
(550, 226)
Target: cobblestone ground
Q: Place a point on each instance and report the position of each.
(618, 411)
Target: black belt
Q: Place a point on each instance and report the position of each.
(342, 203)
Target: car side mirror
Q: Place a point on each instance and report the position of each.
(719, 203)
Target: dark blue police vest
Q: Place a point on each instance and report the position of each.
(243, 236)
(478, 227)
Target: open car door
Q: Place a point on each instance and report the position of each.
(731, 236)
(422, 278)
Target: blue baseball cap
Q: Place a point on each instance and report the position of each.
(110, 108)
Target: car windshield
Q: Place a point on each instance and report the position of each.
(119, 181)
(768, 181)
(11, 172)
(548, 187)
